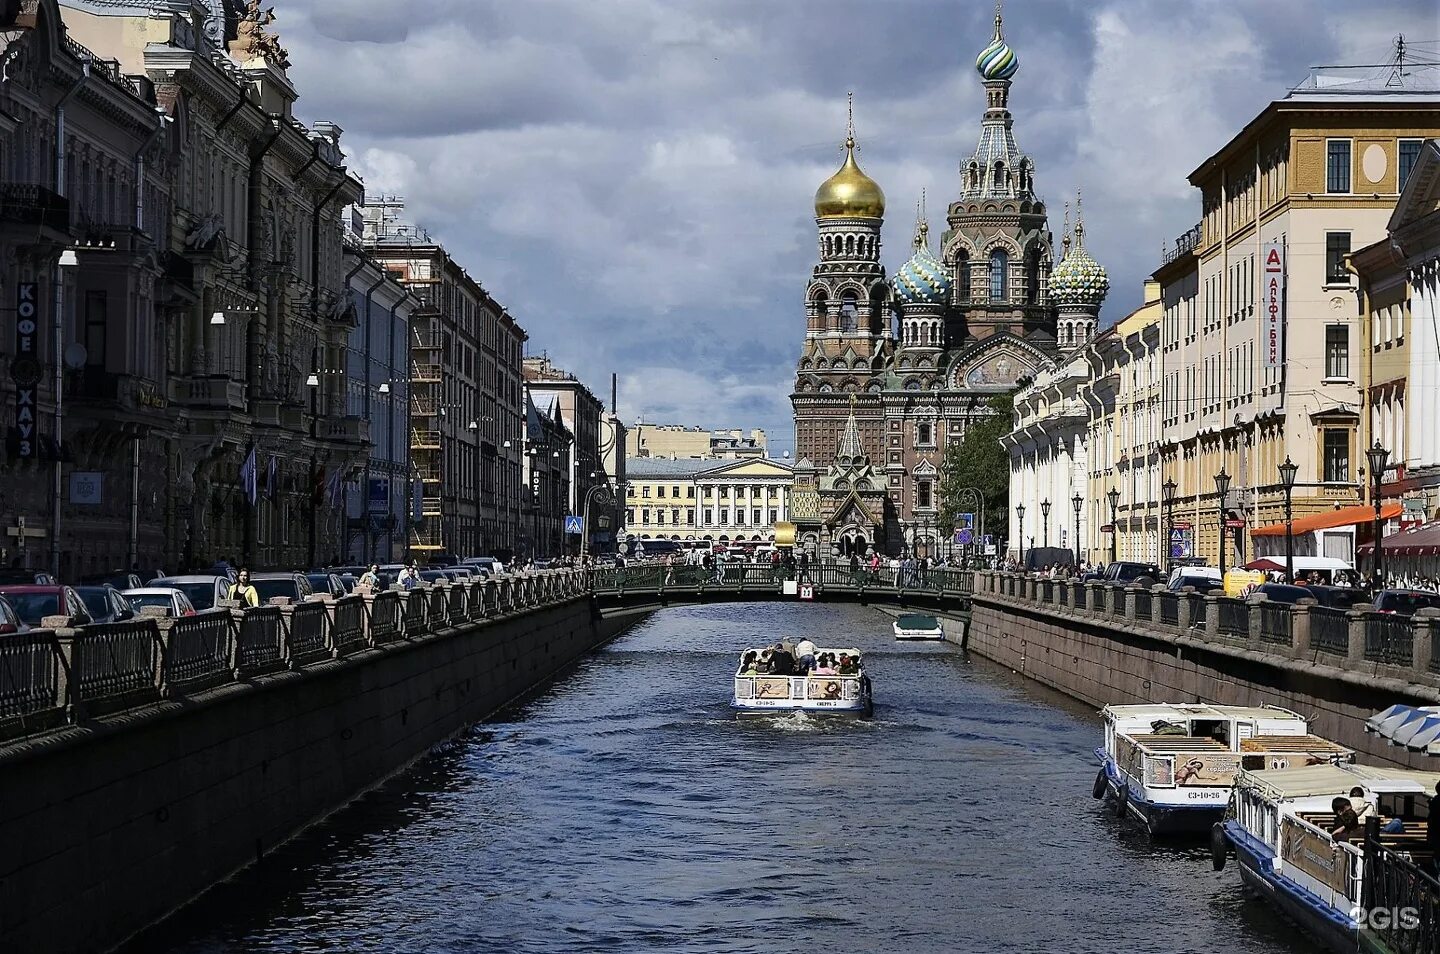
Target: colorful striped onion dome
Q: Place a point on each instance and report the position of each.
(923, 280)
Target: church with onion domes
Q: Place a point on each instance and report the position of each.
(892, 371)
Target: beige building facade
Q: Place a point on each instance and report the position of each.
(680, 440)
(723, 502)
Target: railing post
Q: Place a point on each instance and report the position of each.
(1212, 617)
(1422, 624)
(1254, 619)
(1300, 628)
(1355, 616)
(1129, 601)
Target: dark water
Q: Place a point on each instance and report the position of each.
(627, 810)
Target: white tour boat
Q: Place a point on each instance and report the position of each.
(763, 693)
(1280, 826)
(917, 626)
(1173, 766)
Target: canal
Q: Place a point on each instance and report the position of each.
(624, 809)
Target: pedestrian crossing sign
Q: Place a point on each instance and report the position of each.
(574, 524)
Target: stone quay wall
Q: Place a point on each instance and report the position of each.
(1112, 645)
(167, 755)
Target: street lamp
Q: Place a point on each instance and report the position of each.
(602, 491)
(1078, 502)
(313, 383)
(1020, 520)
(1379, 461)
(1168, 489)
(1045, 513)
(1287, 480)
(1222, 490)
(1114, 498)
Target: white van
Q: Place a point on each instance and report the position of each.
(1203, 578)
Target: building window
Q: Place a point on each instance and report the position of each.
(1337, 454)
(644, 491)
(645, 516)
(660, 491)
(675, 492)
(675, 516)
(1409, 154)
(724, 493)
(999, 266)
(1337, 351)
(923, 434)
(1337, 246)
(724, 518)
(963, 264)
(690, 517)
(756, 516)
(922, 494)
(740, 517)
(709, 516)
(630, 515)
(690, 493)
(1337, 165)
(849, 314)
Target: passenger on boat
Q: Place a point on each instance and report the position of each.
(1346, 824)
(749, 663)
(824, 665)
(782, 663)
(1363, 808)
(848, 666)
(805, 655)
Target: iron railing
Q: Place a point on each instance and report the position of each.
(1330, 630)
(1395, 884)
(347, 627)
(1276, 623)
(260, 646)
(32, 679)
(116, 661)
(200, 649)
(1169, 609)
(309, 633)
(1143, 601)
(1389, 639)
(1233, 617)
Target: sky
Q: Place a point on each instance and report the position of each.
(634, 179)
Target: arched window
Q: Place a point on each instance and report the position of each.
(999, 183)
(922, 434)
(849, 245)
(974, 177)
(963, 267)
(849, 314)
(1032, 276)
(999, 278)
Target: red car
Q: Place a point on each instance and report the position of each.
(34, 602)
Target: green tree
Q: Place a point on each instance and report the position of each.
(979, 462)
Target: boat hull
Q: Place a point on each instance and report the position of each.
(1160, 818)
(1332, 927)
(772, 707)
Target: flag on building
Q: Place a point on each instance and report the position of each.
(271, 478)
(332, 488)
(248, 476)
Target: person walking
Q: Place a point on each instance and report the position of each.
(371, 578)
(242, 591)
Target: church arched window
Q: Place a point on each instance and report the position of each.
(999, 280)
(999, 181)
(1032, 276)
(922, 434)
(849, 245)
(974, 176)
(963, 268)
(849, 313)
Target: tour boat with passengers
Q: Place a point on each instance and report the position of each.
(1173, 766)
(1283, 826)
(843, 688)
(917, 626)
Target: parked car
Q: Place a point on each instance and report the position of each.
(326, 583)
(432, 575)
(1203, 578)
(487, 565)
(1125, 572)
(205, 590)
(1284, 592)
(33, 602)
(120, 579)
(15, 576)
(10, 621)
(1405, 602)
(1339, 597)
(105, 603)
(461, 574)
(173, 601)
(270, 585)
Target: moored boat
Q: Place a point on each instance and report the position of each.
(917, 626)
(1282, 827)
(768, 693)
(1173, 766)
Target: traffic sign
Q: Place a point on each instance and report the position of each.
(1107, 528)
(574, 524)
(807, 591)
(1181, 526)
(1234, 523)
(964, 536)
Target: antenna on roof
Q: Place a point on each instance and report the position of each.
(1397, 74)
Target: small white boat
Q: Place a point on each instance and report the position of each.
(762, 693)
(1173, 766)
(917, 626)
(1280, 826)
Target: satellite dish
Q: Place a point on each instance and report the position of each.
(75, 355)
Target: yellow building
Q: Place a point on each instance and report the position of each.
(1314, 175)
(706, 500)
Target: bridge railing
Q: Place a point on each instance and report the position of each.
(750, 577)
(53, 676)
(1406, 647)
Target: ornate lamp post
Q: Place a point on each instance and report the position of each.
(1287, 480)
(1078, 503)
(1168, 489)
(1020, 519)
(1222, 489)
(1114, 497)
(1045, 513)
(1379, 461)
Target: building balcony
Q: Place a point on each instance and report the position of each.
(349, 429)
(272, 413)
(208, 393)
(429, 373)
(33, 214)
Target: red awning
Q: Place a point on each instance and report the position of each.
(1417, 541)
(1344, 517)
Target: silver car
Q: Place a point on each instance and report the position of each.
(204, 589)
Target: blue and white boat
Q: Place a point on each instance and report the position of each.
(1280, 827)
(758, 693)
(1173, 766)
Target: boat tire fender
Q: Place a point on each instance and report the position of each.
(1219, 846)
(1122, 799)
(1098, 789)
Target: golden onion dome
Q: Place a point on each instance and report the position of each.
(849, 193)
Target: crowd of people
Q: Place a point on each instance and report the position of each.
(805, 660)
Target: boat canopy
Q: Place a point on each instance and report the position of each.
(1416, 727)
(917, 621)
(1312, 780)
(1151, 711)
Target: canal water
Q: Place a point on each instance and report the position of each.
(625, 809)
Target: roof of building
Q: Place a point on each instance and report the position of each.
(640, 468)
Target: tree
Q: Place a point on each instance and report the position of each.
(979, 462)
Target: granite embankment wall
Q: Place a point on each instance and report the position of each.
(1103, 660)
(112, 823)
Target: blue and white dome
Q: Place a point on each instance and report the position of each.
(1079, 280)
(923, 280)
(997, 61)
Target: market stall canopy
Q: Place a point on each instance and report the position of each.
(1344, 517)
(1418, 541)
(1415, 727)
(1303, 564)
